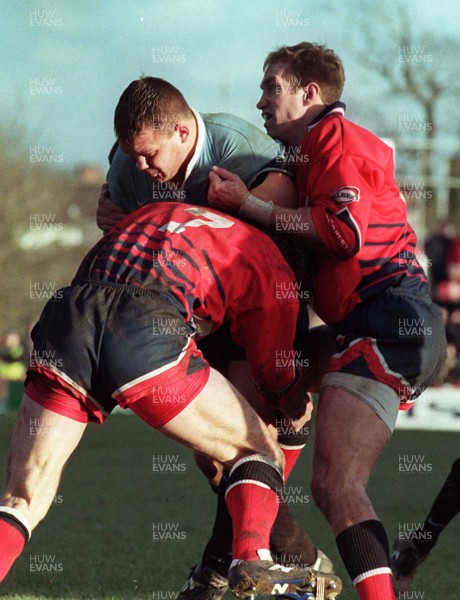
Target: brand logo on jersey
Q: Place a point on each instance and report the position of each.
(346, 195)
(280, 588)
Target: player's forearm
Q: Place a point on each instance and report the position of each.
(296, 223)
(277, 188)
(318, 229)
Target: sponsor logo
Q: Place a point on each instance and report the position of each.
(346, 195)
(280, 588)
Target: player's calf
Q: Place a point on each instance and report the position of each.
(254, 483)
(343, 461)
(41, 444)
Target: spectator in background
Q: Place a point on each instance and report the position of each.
(436, 248)
(11, 354)
(12, 367)
(447, 294)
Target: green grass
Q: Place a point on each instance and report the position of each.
(99, 533)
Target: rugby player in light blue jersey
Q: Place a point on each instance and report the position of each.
(164, 152)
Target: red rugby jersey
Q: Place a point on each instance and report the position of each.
(216, 268)
(348, 181)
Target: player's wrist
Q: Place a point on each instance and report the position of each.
(254, 209)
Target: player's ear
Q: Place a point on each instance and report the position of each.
(183, 131)
(311, 93)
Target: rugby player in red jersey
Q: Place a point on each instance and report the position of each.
(389, 336)
(123, 333)
(170, 149)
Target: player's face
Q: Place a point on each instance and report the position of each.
(158, 154)
(281, 102)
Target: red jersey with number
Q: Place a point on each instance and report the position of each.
(215, 268)
(359, 214)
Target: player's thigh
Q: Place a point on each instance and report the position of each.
(220, 423)
(349, 437)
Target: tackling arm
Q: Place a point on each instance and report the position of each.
(267, 334)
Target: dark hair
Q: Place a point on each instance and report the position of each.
(312, 62)
(149, 102)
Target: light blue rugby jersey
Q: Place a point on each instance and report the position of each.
(223, 140)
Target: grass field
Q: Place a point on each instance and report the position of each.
(97, 540)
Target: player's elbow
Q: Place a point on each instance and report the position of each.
(345, 250)
(344, 240)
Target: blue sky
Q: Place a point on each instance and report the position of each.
(84, 53)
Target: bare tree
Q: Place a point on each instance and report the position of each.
(414, 65)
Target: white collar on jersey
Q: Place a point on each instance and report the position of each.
(334, 108)
(201, 134)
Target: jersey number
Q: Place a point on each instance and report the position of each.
(215, 221)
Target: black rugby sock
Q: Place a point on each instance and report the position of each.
(444, 509)
(218, 552)
(364, 548)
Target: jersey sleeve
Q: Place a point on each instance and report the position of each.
(128, 187)
(341, 188)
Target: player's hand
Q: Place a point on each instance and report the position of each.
(108, 214)
(298, 412)
(226, 190)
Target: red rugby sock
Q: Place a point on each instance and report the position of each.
(376, 587)
(253, 510)
(12, 542)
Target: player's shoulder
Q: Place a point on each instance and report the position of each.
(324, 137)
(231, 126)
(226, 120)
(118, 159)
(360, 132)
(194, 217)
(335, 134)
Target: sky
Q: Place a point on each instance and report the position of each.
(65, 63)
